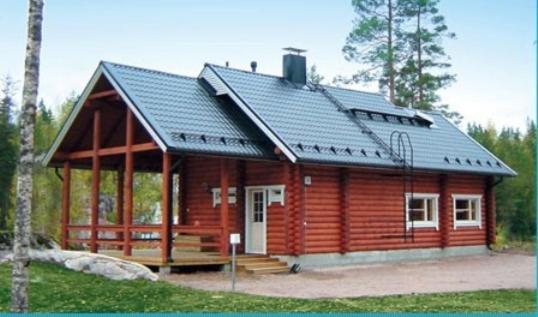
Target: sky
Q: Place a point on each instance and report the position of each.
(493, 56)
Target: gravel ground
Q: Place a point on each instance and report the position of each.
(481, 272)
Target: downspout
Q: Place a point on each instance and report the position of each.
(57, 172)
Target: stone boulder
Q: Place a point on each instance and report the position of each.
(92, 263)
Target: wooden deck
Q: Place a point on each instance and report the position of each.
(151, 257)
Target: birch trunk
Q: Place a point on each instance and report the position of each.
(21, 259)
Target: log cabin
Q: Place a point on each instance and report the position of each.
(313, 174)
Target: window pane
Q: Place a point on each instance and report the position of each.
(416, 203)
(461, 215)
(474, 209)
(416, 215)
(431, 208)
(462, 204)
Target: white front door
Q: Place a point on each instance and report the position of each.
(256, 214)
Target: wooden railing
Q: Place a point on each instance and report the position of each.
(210, 236)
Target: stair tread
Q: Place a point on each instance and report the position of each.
(258, 261)
(269, 270)
(270, 264)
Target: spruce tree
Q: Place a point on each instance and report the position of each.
(8, 149)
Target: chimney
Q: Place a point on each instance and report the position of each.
(294, 66)
(253, 65)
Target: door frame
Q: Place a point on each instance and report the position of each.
(248, 190)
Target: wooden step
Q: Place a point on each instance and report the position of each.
(260, 264)
(247, 261)
(252, 256)
(269, 270)
(264, 264)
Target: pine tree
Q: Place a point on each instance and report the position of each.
(425, 70)
(375, 43)
(313, 76)
(8, 149)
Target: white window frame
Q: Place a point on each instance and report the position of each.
(467, 223)
(423, 224)
(271, 196)
(232, 195)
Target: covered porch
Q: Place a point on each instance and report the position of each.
(106, 136)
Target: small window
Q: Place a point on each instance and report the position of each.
(421, 210)
(232, 196)
(275, 194)
(467, 209)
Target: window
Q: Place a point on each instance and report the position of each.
(467, 210)
(232, 196)
(258, 207)
(276, 194)
(421, 210)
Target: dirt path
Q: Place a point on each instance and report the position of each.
(497, 271)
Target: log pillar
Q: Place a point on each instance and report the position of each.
(444, 210)
(344, 210)
(182, 193)
(128, 183)
(240, 203)
(119, 202)
(286, 180)
(224, 210)
(96, 178)
(166, 210)
(490, 211)
(66, 199)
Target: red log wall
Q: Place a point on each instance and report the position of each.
(320, 218)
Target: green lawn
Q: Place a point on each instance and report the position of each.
(54, 289)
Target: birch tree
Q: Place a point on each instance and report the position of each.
(22, 228)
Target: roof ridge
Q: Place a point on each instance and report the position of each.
(147, 70)
(279, 77)
(354, 90)
(244, 71)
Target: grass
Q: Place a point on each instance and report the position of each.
(55, 289)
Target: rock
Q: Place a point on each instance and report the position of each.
(37, 241)
(92, 263)
(99, 264)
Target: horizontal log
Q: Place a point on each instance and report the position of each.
(103, 94)
(142, 147)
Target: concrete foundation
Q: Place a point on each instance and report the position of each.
(165, 270)
(365, 257)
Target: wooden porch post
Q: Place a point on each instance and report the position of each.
(224, 182)
(96, 170)
(182, 193)
(66, 198)
(128, 183)
(119, 202)
(444, 210)
(166, 243)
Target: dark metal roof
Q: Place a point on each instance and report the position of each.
(186, 116)
(314, 130)
(233, 112)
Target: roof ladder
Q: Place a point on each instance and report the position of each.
(364, 128)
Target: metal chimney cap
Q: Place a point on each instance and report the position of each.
(253, 65)
(295, 50)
